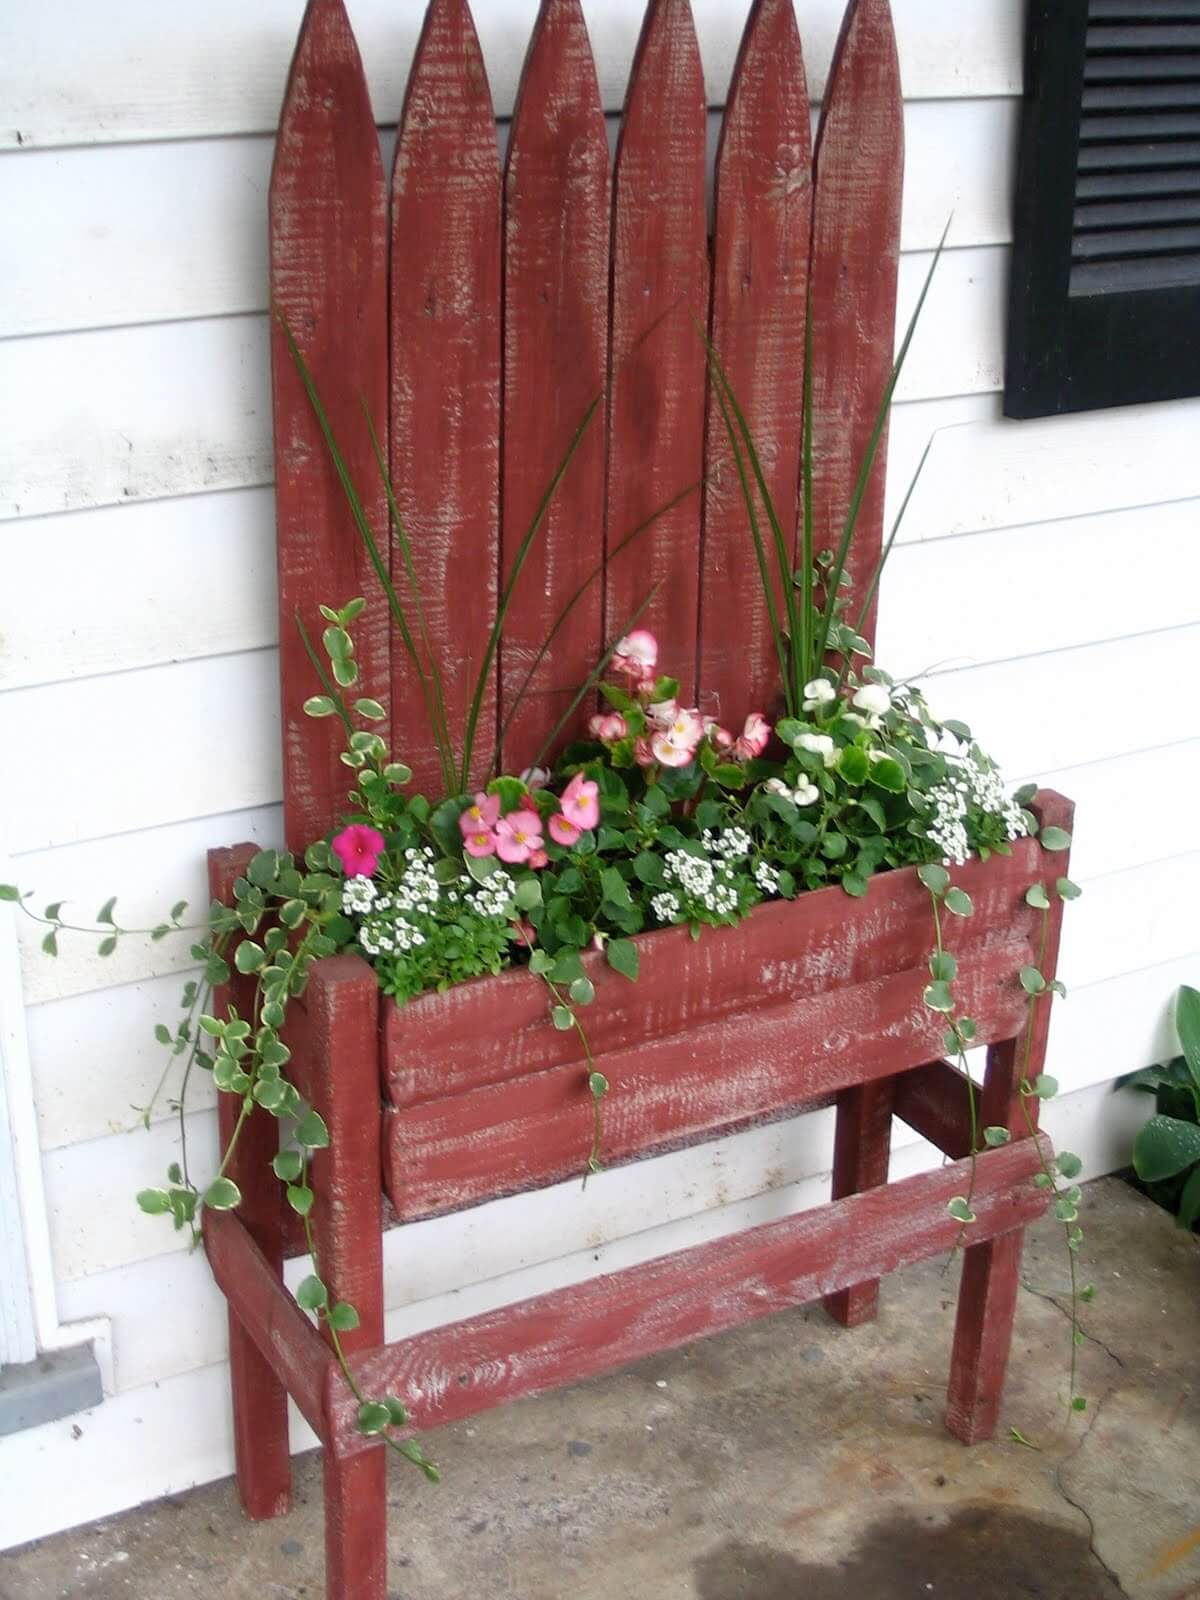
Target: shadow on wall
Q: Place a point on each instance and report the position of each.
(978, 1553)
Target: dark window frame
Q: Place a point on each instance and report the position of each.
(1079, 352)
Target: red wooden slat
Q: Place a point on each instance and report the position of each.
(454, 1372)
(445, 310)
(328, 210)
(535, 1130)
(443, 1044)
(859, 166)
(763, 220)
(933, 1101)
(555, 357)
(287, 1341)
(660, 295)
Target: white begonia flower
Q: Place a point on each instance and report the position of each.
(853, 716)
(818, 693)
(776, 786)
(806, 794)
(819, 744)
(874, 699)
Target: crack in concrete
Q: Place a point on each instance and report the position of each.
(1050, 1299)
(1093, 1418)
(1078, 1505)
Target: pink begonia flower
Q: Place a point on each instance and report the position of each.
(479, 844)
(358, 848)
(535, 777)
(481, 815)
(608, 729)
(526, 932)
(662, 713)
(669, 753)
(636, 654)
(720, 738)
(754, 739)
(563, 831)
(580, 802)
(518, 835)
(643, 754)
(537, 860)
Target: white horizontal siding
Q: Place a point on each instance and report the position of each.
(75, 73)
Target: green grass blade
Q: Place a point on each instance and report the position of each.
(361, 521)
(593, 677)
(833, 582)
(442, 736)
(760, 553)
(806, 664)
(507, 592)
(783, 555)
(596, 572)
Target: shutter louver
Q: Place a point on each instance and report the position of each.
(1137, 186)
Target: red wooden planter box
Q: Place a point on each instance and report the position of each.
(803, 999)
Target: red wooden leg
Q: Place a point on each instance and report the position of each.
(347, 1180)
(861, 1148)
(260, 1425)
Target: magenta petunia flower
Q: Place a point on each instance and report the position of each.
(358, 848)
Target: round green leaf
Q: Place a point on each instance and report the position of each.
(154, 1201)
(943, 966)
(598, 1084)
(1068, 890)
(1044, 1086)
(319, 705)
(622, 956)
(889, 775)
(562, 1018)
(343, 1318)
(312, 1293)
(1031, 980)
(937, 996)
(397, 1410)
(960, 1210)
(222, 1194)
(1055, 839)
(1037, 897)
(935, 877)
(288, 1165)
(300, 1198)
(959, 902)
(312, 1132)
(995, 1137)
(1068, 1164)
(371, 709)
(583, 991)
(373, 1417)
(248, 956)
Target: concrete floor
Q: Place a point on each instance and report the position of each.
(790, 1460)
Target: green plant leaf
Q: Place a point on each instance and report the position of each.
(1187, 1025)
(1053, 838)
(311, 1132)
(288, 1165)
(373, 1417)
(1068, 890)
(343, 1318)
(853, 764)
(1165, 1146)
(300, 1198)
(1189, 1202)
(622, 957)
(598, 1084)
(960, 1209)
(312, 1293)
(397, 1410)
(943, 966)
(319, 705)
(1068, 1164)
(889, 775)
(371, 709)
(222, 1194)
(10, 892)
(937, 997)
(562, 1018)
(1031, 980)
(582, 991)
(154, 1201)
(960, 903)
(935, 877)
(1044, 1086)
(996, 1136)
(1037, 897)
(249, 957)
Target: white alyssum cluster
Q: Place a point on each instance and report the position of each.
(713, 887)
(493, 897)
(732, 844)
(970, 783)
(358, 896)
(766, 877)
(665, 906)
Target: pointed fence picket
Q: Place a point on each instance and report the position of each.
(516, 303)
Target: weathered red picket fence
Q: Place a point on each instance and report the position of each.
(477, 317)
(510, 301)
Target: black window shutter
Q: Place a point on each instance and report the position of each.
(1104, 299)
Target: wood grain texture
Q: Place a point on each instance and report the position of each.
(861, 1148)
(786, 951)
(328, 247)
(342, 1006)
(932, 1100)
(858, 165)
(763, 217)
(752, 1064)
(445, 378)
(987, 1296)
(555, 366)
(451, 1373)
(660, 290)
(260, 1427)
